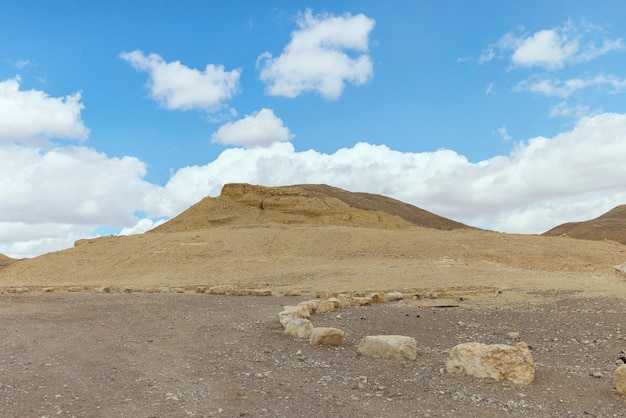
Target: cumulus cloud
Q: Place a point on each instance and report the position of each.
(552, 48)
(317, 57)
(51, 197)
(545, 181)
(176, 86)
(259, 129)
(32, 116)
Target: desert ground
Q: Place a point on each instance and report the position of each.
(128, 326)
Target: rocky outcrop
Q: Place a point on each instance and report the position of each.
(392, 347)
(496, 361)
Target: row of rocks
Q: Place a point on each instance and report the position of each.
(215, 290)
(496, 361)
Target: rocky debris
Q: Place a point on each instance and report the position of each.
(392, 347)
(299, 328)
(620, 379)
(327, 336)
(495, 361)
(393, 296)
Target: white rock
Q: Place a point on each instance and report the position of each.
(299, 328)
(393, 296)
(496, 361)
(327, 336)
(292, 312)
(392, 347)
(620, 379)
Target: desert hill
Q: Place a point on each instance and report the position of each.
(611, 226)
(6, 261)
(245, 204)
(315, 237)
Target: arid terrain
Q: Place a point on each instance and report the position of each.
(126, 326)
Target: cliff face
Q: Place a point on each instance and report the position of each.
(323, 205)
(610, 226)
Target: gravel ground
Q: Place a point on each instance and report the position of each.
(177, 355)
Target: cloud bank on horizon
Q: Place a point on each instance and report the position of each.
(55, 189)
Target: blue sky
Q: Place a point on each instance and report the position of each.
(115, 116)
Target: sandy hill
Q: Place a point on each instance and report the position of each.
(6, 261)
(245, 204)
(611, 226)
(316, 237)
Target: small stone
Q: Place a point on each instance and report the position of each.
(513, 336)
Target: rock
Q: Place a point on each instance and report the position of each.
(377, 297)
(261, 292)
(299, 328)
(497, 361)
(239, 292)
(48, 289)
(327, 336)
(392, 347)
(361, 301)
(393, 296)
(513, 336)
(201, 289)
(293, 312)
(336, 302)
(220, 289)
(318, 305)
(620, 379)
(177, 290)
(621, 268)
(292, 292)
(322, 294)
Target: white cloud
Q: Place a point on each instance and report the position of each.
(176, 86)
(552, 48)
(490, 89)
(504, 134)
(317, 59)
(563, 109)
(547, 48)
(32, 116)
(554, 87)
(51, 197)
(143, 225)
(259, 129)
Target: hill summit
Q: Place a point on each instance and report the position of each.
(310, 204)
(611, 226)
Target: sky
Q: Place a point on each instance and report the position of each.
(116, 116)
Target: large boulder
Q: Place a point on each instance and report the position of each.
(392, 347)
(496, 361)
(327, 336)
